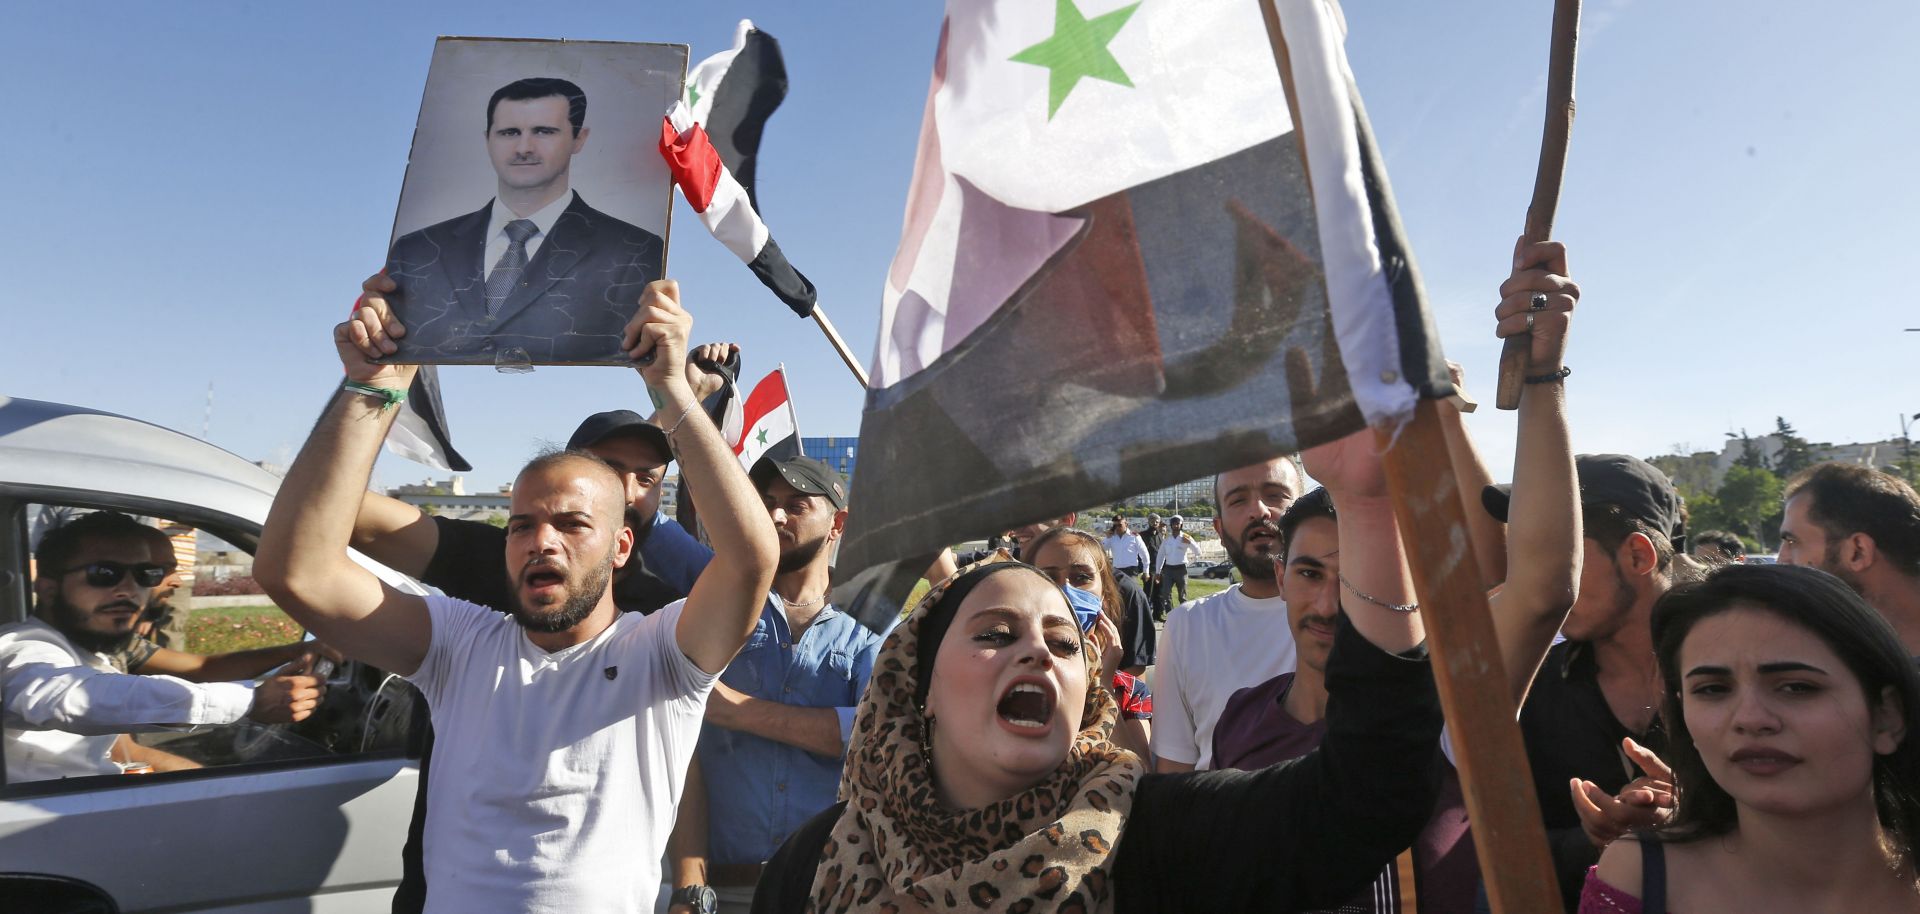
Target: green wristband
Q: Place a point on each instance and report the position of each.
(389, 397)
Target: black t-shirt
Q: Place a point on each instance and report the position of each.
(471, 564)
(1306, 833)
(1571, 733)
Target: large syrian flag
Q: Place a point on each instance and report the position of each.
(1124, 266)
(765, 423)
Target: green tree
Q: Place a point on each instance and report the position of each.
(1747, 498)
(497, 519)
(1795, 454)
(1751, 456)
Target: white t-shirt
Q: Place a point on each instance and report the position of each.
(555, 776)
(1211, 648)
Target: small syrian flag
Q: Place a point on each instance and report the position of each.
(765, 423)
(725, 210)
(733, 93)
(419, 433)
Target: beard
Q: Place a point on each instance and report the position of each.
(1831, 564)
(800, 556)
(72, 623)
(578, 605)
(1612, 619)
(1256, 565)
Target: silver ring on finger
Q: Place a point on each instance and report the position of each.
(1539, 302)
(1529, 320)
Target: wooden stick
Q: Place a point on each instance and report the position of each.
(1546, 181)
(1488, 752)
(840, 346)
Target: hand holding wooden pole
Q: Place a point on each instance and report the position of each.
(1546, 181)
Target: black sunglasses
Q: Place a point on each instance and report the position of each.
(107, 574)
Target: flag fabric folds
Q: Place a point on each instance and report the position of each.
(419, 432)
(765, 423)
(1118, 270)
(711, 141)
(725, 209)
(733, 93)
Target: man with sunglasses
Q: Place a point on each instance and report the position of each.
(63, 705)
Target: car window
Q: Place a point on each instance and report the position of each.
(203, 620)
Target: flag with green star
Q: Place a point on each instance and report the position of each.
(1116, 271)
(764, 422)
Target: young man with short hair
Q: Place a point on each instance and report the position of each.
(568, 725)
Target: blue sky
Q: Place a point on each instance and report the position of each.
(204, 185)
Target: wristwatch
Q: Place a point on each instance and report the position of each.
(702, 899)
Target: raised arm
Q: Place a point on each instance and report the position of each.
(395, 534)
(1543, 516)
(302, 562)
(1373, 562)
(726, 600)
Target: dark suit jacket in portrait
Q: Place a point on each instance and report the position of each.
(574, 299)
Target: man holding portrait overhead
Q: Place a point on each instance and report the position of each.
(536, 275)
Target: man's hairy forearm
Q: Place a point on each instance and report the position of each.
(312, 518)
(816, 730)
(730, 509)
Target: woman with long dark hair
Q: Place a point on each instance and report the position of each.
(1793, 711)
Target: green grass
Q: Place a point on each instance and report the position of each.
(1197, 587)
(218, 630)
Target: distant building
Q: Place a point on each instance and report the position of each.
(450, 498)
(1882, 454)
(839, 453)
(1173, 497)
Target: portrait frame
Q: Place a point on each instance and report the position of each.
(536, 206)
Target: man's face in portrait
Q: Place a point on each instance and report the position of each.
(531, 142)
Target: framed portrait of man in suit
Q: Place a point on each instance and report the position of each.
(535, 206)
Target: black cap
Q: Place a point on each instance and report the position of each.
(601, 426)
(1637, 487)
(806, 475)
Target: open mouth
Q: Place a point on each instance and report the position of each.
(1261, 535)
(542, 577)
(1026, 705)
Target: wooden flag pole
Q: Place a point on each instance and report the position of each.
(1546, 181)
(840, 346)
(1488, 752)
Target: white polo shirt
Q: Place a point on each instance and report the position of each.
(555, 775)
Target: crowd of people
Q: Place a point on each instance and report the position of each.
(628, 714)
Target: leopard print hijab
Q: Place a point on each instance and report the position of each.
(897, 848)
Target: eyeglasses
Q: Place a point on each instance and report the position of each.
(107, 574)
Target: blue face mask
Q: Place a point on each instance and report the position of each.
(1086, 607)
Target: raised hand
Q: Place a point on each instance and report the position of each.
(1348, 466)
(1538, 300)
(1647, 802)
(702, 365)
(656, 337)
(369, 334)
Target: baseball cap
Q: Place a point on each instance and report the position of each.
(1636, 486)
(1175, 520)
(804, 474)
(601, 426)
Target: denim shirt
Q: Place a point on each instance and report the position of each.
(758, 790)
